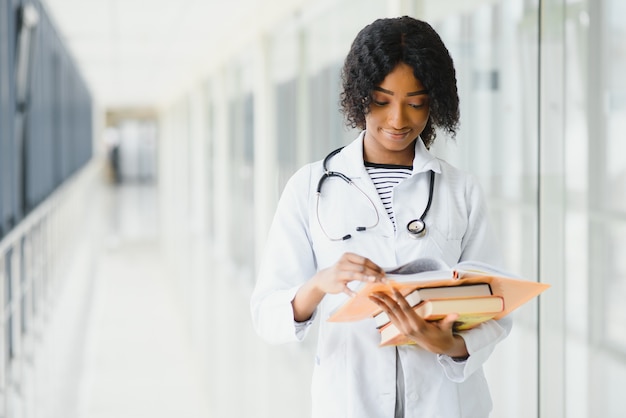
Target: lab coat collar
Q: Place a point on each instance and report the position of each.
(422, 162)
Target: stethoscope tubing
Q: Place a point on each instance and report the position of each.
(416, 228)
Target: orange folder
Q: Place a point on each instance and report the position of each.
(515, 292)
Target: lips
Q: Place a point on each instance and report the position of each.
(396, 135)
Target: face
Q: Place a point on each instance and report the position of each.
(397, 116)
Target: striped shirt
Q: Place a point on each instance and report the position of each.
(385, 177)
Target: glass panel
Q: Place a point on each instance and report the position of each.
(243, 184)
(605, 105)
(211, 137)
(495, 47)
(7, 112)
(609, 245)
(5, 101)
(614, 44)
(9, 300)
(24, 269)
(328, 39)
(286, 129)
(284, 67)
(241, 131)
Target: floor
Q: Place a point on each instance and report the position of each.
(147, 356)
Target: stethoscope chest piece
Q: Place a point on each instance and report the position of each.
(416, 228)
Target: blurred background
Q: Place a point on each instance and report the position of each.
(144, 146)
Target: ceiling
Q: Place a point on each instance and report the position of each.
(142, 53)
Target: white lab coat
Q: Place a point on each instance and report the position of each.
(353, 377)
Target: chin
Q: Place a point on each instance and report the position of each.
(397, 146)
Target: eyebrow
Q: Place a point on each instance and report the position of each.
(412, 93)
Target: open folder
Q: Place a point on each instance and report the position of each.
(406, 278)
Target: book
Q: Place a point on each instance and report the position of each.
(418, 295)
(472, 311)
(426, 273)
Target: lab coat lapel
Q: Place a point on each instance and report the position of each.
(424, 160)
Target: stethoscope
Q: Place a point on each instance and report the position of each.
(416, 228)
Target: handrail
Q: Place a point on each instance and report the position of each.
(31, 270)
(45, 207)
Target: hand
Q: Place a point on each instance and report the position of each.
(350, 267)
(434, 336)
(333, 279)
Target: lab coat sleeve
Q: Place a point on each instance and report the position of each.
(478, 244)
(287, 263)
(480, 343)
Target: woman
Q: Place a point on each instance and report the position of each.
(331, 232)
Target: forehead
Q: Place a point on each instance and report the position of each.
(401, 79)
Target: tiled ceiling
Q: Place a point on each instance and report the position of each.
(142, 53)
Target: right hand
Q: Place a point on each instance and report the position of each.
(349, 267)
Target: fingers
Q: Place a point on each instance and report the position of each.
(392, 305)
(349, 267)
(400, 300)
(351, 274)
(435, 336)
(383, 301)
(348, 291)
(360, 268)
(398, 309)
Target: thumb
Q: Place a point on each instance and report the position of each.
(448, 322)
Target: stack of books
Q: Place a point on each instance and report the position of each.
(474, 304)
(476, 292)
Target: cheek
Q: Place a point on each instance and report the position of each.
(422, 120)
(374, 117)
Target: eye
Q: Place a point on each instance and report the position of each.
(417, 105)
(379, 102)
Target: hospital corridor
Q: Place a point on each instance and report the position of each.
(144, 150)
(139, 348)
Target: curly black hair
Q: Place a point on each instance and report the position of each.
(376, 51)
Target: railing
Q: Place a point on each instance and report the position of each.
(35, 258)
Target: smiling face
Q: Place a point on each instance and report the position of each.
(397, 116)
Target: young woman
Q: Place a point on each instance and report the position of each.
(383, 200)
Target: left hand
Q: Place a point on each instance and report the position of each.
(434, 336)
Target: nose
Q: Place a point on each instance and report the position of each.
(396, 117)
